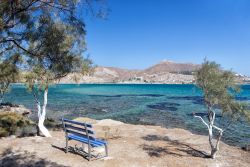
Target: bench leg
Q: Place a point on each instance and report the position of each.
(106, 149)
(67, 140)
(89, 152)
(83, 147)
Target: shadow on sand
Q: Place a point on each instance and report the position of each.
(10, 158)
(170, 147)
(73, 150)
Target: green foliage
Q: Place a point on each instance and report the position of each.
(50, 35)
(8, 73)
(56, 54)
(219, 89)
(10, 122)
(19, 18)
(3, 132)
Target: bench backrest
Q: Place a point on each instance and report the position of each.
(78, 128)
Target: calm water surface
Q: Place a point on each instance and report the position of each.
(165, 105)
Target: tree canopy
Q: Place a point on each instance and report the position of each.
(219, 90)
(49, 35)
(18, 18)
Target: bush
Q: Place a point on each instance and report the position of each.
(52, 124)
(13, 124)
(3, 132)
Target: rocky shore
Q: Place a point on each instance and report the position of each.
(129, 145)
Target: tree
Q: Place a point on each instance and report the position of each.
(8, 73)
(50, 36)
(19, 17)
(56, 57)
(219, 90)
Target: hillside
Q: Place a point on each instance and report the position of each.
(163, 72)
(171, 67)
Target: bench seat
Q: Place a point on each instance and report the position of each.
(93, 143)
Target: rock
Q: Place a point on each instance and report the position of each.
(12, 123)
(246, 148)
(50, 123)
(109, 122)
(86, 120)
(12, 137)
(19, 109)
(98, 150)
(107, 158)
(28, 130)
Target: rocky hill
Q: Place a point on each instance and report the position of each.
(171, 67)
(163, 72)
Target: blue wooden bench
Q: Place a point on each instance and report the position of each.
(83, 132)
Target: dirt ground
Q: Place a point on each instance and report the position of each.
(129, 146)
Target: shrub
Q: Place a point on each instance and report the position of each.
(11, 123)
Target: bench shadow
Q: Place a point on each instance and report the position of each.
(10, 158)
(170, 147)
(71, 150)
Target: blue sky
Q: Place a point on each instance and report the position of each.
(140, 33)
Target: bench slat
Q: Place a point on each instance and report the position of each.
(79, 134)
(77, 123)
(67, 126)
(94, 143)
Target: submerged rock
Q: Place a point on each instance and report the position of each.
(164, 106)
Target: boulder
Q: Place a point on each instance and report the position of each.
(19, 109)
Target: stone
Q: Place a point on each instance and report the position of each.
(246, 148)
(19, 109)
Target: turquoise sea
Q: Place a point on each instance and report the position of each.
(165, 105)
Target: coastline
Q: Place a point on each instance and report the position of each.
(120, 83)
(129, 145)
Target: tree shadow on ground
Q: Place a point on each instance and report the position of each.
(10, 158)
(170, 147)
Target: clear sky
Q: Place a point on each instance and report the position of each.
(140, 33)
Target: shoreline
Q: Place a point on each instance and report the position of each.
(129, 145)
(107, 83)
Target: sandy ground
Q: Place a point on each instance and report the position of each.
(129, 146)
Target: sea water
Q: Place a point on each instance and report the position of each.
(165, 105)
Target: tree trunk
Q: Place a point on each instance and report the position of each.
(210, 126)
(215, 149)
(210, 137)
(42, 114)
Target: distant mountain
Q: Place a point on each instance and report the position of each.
(172, 67)
(163, 72)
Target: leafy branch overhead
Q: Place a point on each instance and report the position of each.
(19, 18)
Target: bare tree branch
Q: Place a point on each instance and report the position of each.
(203, 121)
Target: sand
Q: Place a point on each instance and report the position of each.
(129, 146)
